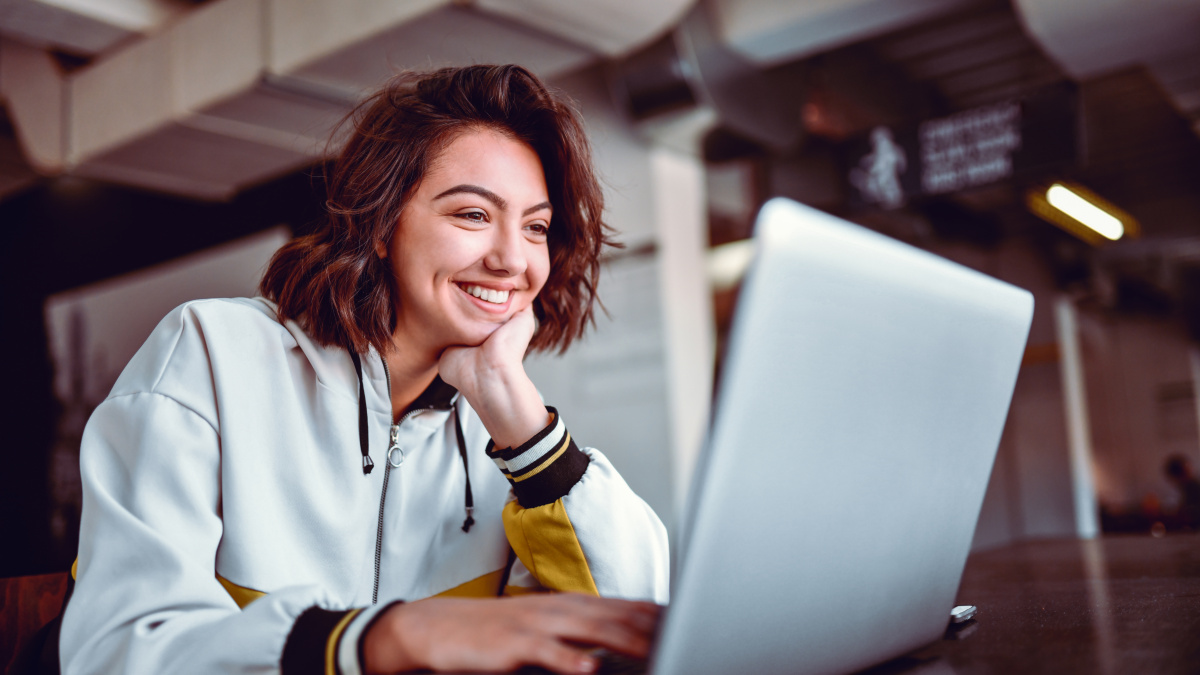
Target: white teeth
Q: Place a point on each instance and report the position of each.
(487, 294)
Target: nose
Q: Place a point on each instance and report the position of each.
(506, 255)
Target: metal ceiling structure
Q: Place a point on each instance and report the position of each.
(204, 98)
(972, 57)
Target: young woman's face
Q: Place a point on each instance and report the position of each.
(470, 250)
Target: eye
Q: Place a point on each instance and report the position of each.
(538, 228)
(472, 216)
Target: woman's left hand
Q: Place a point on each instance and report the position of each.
(492, 377)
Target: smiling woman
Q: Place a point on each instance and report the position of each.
(401, 135)
(233, 520)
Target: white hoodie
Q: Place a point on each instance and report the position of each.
(226, 511)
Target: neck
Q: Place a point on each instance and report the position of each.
(410, 370)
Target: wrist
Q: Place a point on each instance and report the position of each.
(384, 647)
(509, 406)
(545, 467)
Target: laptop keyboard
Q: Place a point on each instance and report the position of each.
(619, 664)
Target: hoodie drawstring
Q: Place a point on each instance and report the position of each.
(468, 500)
(368, 465)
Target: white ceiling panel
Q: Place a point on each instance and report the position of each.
(450, 36)
(611, 27)
(41, 25)
(192, 161)
(273, 115)
(774, 31)
(83, 27)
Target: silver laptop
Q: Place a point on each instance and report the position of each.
(864, 394)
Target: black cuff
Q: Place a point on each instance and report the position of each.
(553, 482)
(512, 453)
(304, 651)
(547, 474)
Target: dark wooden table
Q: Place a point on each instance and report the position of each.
(1108, 606)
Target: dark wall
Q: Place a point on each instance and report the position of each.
(68, 232)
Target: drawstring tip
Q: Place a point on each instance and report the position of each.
(367, 465)
(469, 521)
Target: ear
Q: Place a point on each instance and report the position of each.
(381, 250)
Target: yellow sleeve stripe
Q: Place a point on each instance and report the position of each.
(548, 461)
(486, 586)
(240, 594)
(545, 541)
(331, 644)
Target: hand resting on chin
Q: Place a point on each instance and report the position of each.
(492, 377)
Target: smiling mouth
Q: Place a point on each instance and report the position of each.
(486, 294)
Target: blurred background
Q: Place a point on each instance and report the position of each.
(155, 151)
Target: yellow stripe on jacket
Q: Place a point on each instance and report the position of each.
(545, 541)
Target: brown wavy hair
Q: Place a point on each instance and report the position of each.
(332, 282)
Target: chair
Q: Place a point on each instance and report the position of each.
(29, 604)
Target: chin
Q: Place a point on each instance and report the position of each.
(476, 335)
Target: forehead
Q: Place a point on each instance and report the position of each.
(487, 158)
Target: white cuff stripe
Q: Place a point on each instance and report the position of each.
(347, 655)
(547, 444)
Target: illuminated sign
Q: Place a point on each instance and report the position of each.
(969, 149)
(974, 148)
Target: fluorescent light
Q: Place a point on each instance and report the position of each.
(1063, 199)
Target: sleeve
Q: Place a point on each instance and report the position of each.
(147, 598)
(574, 523)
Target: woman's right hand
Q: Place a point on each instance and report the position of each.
(503, 634)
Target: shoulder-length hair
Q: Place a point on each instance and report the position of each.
(332, 282)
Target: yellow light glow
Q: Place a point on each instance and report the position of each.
(727, 263)
(1095, 218)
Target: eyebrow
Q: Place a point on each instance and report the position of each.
(535, 208)
(490, 196)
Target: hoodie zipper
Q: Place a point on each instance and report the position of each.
(393, 446)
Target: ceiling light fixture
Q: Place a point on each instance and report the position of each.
(1081, 212)
(1063, 199)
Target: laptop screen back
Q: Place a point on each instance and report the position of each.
(864, 393)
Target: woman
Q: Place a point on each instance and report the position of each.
(271, 479)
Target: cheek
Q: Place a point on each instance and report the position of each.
(540, 269)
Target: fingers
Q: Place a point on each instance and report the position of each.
(552, 654)
(514, 336)
(639, 611)
(499, 635)
(504, 348)
(618, 625)
(498, 646)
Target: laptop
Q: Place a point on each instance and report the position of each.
(863, 397)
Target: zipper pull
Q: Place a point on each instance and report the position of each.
(394, 447)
